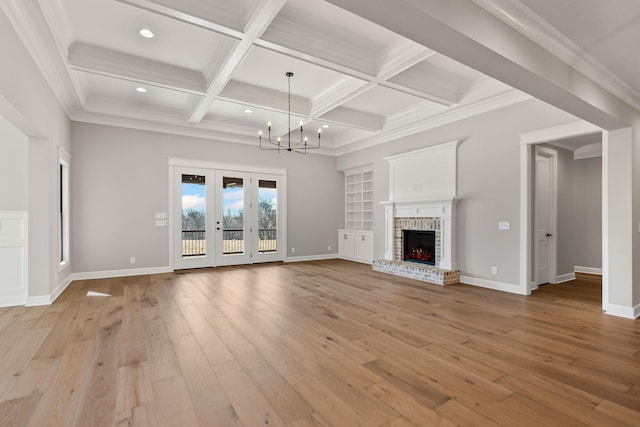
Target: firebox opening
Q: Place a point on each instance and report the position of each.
(419, 246)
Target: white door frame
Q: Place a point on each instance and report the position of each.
(527, 142)
(552, 253)
(175, 163)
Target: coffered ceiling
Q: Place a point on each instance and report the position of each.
(211, 61)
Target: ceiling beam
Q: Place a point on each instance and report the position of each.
(259, 22)
(111, 63)
(497, 50)
(354, 118)
(260, 97)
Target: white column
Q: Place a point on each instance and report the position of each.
(617, 223)
(389, 232)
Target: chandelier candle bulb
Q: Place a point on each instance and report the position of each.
(300, 146)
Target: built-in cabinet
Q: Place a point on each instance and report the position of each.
(355, 242)
(355, 245)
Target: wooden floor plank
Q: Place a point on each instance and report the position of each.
(322, 343)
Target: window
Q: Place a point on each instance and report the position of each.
(63, 208)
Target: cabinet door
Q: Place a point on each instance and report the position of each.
(345, 244)
(363, 246)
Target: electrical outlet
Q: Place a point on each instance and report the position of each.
(504, 225)
(329, 247)
(494, 270)
(293, 250)
(132, 260)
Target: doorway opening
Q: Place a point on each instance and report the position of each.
(561, 201)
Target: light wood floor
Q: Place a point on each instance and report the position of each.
(314, 344)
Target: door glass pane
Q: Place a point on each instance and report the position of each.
(267, 216)
(193, 216)
(232, 215)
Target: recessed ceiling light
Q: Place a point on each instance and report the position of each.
(146, 33)
(248, 111)
(325, 126)
(141, 89)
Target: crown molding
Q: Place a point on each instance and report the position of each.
(555, 133)
(398, 126)
(172, 122)
(31, 26)
(526, 22)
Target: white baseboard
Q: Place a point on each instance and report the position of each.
(565, 277)
(587, 270)
(624, 311)
(355, 260)
(87, 275)
(12, 301)
(48, 299)
(310, 258)
(492, 284)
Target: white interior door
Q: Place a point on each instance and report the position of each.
(193, 204)
(544, 215)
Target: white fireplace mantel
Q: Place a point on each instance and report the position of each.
(422, 184)
(445, 210)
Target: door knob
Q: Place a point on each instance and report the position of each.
(549, 234)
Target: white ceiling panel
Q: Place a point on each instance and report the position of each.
(114, 25)
(382, 101)
(265, 68)
(211, 60)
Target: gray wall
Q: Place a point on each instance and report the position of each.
(13, 168)
(579, 212)
(29, 103)
(121, 178)
(488, 183)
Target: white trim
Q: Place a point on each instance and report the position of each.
(492, 284)
(361, 261)
(19, 242)
(623, 311)
(12, 301)
(515, 14)
(192, 163)
(410, 124)
(552, 254)
(313, 258)
(587, 270)
(565, 278)
(526, 175)
(556, 133)
(50, 298)
(120, 273)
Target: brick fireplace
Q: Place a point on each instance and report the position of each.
(422, 197)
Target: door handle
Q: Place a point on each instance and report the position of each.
(549, 234)
(217, 228)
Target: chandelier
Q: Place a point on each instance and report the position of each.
(300, 146)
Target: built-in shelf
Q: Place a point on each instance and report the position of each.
(359, 200)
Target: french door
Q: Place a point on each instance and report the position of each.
(227, 217)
